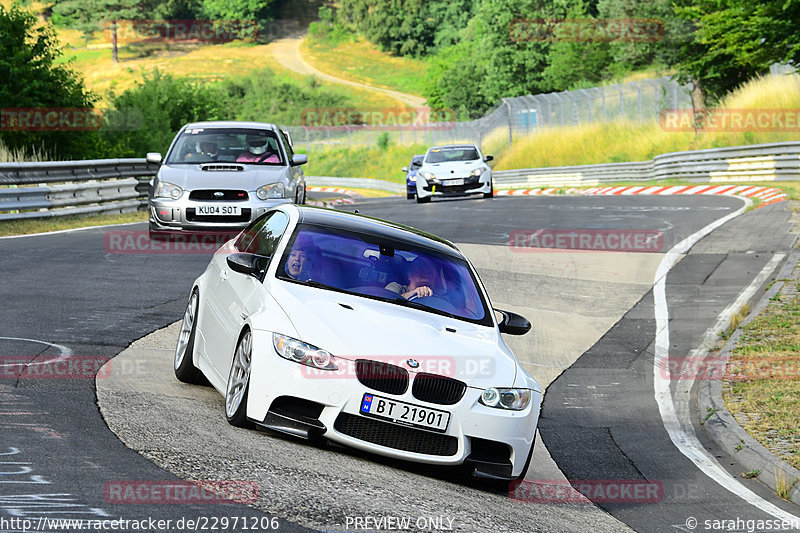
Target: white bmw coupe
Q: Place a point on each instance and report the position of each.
(330, 325)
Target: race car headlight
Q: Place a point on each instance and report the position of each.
(303, 353)
(412, 178)
(477, 172)
(429, 176)
(511, 399)
(168, 190)
(276, 190)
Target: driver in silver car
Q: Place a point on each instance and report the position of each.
(258, 151)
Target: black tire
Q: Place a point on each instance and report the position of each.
(423, 200)
(410, 196)
(182, 364)
(238, 387)
(489, 194)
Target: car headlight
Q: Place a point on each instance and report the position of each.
(412, 178)
(168, 190)
(275, 190)
(511, 399)
(429, 176)
(303, 353)
(477, 172)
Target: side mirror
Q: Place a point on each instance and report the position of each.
(513, 324)
(488, 158)
(404, 169)
(249, 264)
(154, 158)
(299, 159)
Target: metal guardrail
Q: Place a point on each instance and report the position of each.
(101, 186)
(89, 186)
(760, 162)
(121, 185)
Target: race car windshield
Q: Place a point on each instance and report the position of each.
(445, 155)
(390, 271)
(217, 145)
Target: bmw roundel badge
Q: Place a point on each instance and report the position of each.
(413, 363)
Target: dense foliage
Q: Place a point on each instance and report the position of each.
(478, 56)
(30, 78)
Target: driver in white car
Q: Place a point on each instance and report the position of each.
(421, 275)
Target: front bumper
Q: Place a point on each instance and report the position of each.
(495, 440)
(167, 215)
(441, 187)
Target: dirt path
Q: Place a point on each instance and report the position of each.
(287, 52)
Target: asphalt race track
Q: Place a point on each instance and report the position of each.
(75, 295)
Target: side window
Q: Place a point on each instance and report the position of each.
(287, 145)
(247, 236)
(266, 240)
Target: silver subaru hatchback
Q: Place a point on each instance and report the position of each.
(220, 176)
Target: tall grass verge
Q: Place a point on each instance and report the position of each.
(630, 141)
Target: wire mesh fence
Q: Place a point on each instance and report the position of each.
(639, 101)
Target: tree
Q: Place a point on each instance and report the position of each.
(32, 79)
(236, 9)
(727, 42)
(92, 15)
(410, 27)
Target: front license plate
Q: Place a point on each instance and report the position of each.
(404, 413)
(221, 210)
(455, 182)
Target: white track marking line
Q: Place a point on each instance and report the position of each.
(685, 440)
(65, 352)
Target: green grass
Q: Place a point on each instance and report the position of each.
(630, 141)
(364, 62)
(202, 62)
(764, 380)
(42, 225)
(363, 162)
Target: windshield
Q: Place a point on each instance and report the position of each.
(446, 154)
(385, 270)
(199, 145)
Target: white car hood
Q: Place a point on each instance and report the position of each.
(392, 333)
(452, 168)
(190, 177)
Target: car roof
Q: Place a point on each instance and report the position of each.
(417, 157)
(377, 227)
(231, 124)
